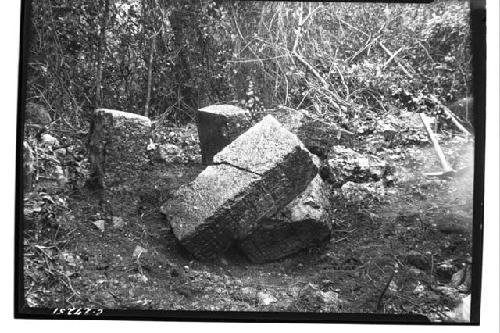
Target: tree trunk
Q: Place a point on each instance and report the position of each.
(100, 54)
(150, 75)
(179, 21)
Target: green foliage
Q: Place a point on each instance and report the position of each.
(326, 57)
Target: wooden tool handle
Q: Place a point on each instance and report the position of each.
(446, 166)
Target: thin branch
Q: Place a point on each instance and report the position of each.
(311, 13)
(397, 61)
(299, 29)
(312, 69)
(243, 61)
(367, 45)
(341, 78)
(351, 26)
(379, 302)
(392, 57)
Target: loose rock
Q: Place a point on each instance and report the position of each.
(344, 165)
(118, 222)
(418, 260)
(138, 251)
(49, 141)
(167, 153)
(445, 270)
(100, 224)
(266, 298)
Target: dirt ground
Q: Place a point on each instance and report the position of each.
(388, 254)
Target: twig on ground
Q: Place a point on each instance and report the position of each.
(379, 302)
(340, 240)
(346, 231)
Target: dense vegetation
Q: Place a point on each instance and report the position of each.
(170, 58)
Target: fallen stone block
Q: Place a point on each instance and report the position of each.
(218, 126)
(317, 135)
(117, 146)
(304, 222)
(260, 172)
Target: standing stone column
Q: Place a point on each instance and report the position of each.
(218, 126)
(117, 153)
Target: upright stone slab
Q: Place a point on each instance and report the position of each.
(117, 153)
(304, 222)
(218, 126)
(117, 146)
(255, 176)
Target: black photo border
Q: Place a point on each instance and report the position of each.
(22, 311)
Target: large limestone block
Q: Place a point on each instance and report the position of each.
(260, 172)
(218, 126)
(304, 222)
(117, 146)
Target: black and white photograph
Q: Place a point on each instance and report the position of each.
(251, 161)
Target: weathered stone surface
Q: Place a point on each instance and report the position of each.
(218, 126)
(260, 172)
(117, 153)
(318, 136)
(344, 165)
(117, 146)
(302, 223)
